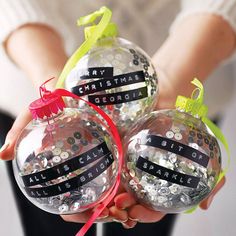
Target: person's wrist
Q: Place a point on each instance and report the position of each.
(41, 77)
(167, 91)
(194, 49)
(38, 50)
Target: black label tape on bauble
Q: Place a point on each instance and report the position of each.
(167, 174)
(109, 83)
(121, 97)
(73, 183)
(177, 148)
(96, 72)
(67, 166)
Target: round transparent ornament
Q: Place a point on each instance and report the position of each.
(66, 164)
(119, 77)
(172, 162)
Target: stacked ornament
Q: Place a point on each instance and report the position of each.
(66, 160)
(173, 159)
(114, 74)
(69, 158)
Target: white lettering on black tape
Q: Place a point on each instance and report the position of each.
(109, 83)
(167, 174)
(73, 183)
(67, 166)
(96, 72)
(177, 148)
(121, 97)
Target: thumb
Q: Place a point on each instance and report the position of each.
(205, 204)
(7, 150)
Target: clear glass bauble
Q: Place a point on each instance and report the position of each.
(117, 76)
(67, 164)
(172, 162)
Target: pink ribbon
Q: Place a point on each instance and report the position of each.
(116, 136)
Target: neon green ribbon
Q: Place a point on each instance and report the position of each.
(103, 29)
(196, 108)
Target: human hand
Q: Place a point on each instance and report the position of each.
(139, 213)
(7, 150)
(109, 214)
(205, 204)
(136, 212)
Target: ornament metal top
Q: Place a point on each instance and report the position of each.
(111, 72)
(65, 159)
(173, 160)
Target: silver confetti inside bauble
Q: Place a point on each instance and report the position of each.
(172, 162)
(66, 164)
(117, 76)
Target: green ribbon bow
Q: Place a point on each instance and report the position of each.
(196, 108)
(103, 29)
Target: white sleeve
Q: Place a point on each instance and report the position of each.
(15, 13)
(224, 8)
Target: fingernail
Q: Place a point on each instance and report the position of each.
(123, 208)
(127, 226)
(102, 217)
(120, 221)
(210, 199)
(4, 147)
(133, 219)
(115, 220)
(119, 206)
